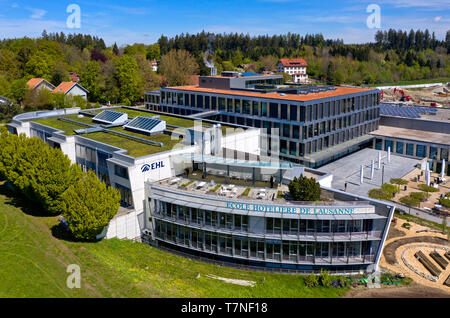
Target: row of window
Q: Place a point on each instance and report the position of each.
(408, 149)
(272, 110)
(239, 222)
(260, 248)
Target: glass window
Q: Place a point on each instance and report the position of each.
(410, 149)
(421, 151)
(121, 171)
(237, 106)
(263, 109)
(444, 154)
(284, 111)
(399, 147)
(433, 152)
(293, 114)
(273, 110)
(388, 144)
(255, 107)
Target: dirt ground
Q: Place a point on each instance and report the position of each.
(422, 96)
(412, 291)
(397, 241)
(413, 187)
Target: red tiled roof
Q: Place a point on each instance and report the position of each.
(301, 98)
(194, 79)
(293, 62)
(64, 87)
(32, 83)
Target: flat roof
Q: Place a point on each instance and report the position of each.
(412, 134)
(340, 91)
(134, 147)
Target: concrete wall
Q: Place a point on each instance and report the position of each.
(125, 226)
(417, 124)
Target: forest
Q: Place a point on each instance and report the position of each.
(115, 74)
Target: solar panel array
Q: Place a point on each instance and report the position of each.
(406, 111)
(108, 116)
(315, 89)
(143, 123)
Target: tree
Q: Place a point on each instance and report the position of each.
(115, 49)
(88, 205)
(177, 66)
(127, 77)
(40, 65)
(153, 52)
(304, 189)
(59, 74)
(89, 79)
(18, 89)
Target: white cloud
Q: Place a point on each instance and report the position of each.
(36, 13)
(437, 19)
(14, 5)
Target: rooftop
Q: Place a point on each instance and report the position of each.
(216, 186)
(134, 147)
(412, 134)
(293, 62)
(339, 91)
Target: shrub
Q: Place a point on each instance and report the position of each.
(311, 280)
(421, 196)
(427, 188)
(399, 181)
(304, 189)
(408, 200)
(406, 225)
(380, 194)
(88, 206)
(246, 192)
(324, 278)
(215, 188)
(184, 185)
(445, 202)
(390, 188)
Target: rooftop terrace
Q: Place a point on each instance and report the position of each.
(134, 147)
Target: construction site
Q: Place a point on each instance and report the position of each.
(437, 95)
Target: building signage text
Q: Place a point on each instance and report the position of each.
(287, 209)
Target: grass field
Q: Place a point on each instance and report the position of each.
(33, 262)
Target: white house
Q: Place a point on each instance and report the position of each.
(71, 88)
(294, 67)
(40, 83)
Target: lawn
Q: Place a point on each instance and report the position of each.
(33, 263)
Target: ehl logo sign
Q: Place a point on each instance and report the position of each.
(152, 166)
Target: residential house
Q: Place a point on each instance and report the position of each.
(71, 88)
(294, 67)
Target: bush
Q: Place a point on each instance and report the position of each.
(304, 189)
(408, 200)
(445, 202)
(406, 225)
(427, 188)
(88, 206)
(246, 192)
(311, 280)
(421, 196)
(324, 278)
(390, 188)
(380, 194)
(399, 181)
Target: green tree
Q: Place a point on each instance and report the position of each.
(90, 79)
(40, 65)
(304, 189)
(18, 90)
(153, 52)
(177, 66)
(127, 78)
(88, 205)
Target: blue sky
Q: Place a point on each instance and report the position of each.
(127, 22)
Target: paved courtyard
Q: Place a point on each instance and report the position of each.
(347, 169)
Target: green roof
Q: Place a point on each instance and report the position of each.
(135, 148)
